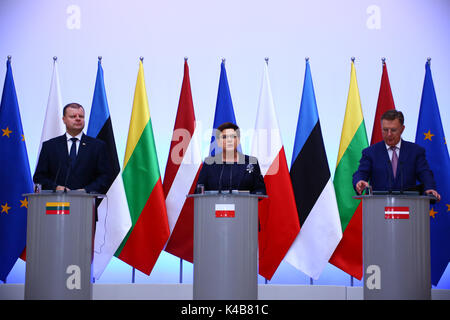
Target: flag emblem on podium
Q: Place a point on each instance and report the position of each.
(225, 210)
(57, 208)
(396, 212)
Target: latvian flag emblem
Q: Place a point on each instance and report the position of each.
(57, 208)
(224, 210)
(396, 212)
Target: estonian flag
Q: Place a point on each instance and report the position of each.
(314, 194)
(113, 215)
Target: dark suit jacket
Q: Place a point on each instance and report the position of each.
(216, 175)
(375, 167)
(91, 171)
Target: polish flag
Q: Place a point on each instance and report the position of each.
(278, 217)
(225, 210)
(180, 178)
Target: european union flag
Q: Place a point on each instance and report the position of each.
(15, 179)
(224, 108)
(430, 135)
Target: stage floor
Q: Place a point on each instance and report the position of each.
(184, 292)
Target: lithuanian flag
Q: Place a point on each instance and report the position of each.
(348, 254)
(57, 208)
(143, 188)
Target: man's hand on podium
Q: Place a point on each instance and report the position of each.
(361, 185)
(434, 193)
(62, 188)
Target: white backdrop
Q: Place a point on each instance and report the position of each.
(406, 32)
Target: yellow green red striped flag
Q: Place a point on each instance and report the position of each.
(57, 208)
(143, 188)
(348, 254)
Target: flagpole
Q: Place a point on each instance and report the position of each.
(8, 59)
(383, 61)
(429, 61)
(100, 59)
(351, 277)
(311, 280)
(181, 270)
(133, 271)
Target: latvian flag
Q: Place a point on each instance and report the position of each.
(396, 212)
(180, 178)
(57, 208)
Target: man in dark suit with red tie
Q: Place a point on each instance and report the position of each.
(394, 164)
(73, 161)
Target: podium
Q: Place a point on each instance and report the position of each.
(396, 246)
(60, 238)
(225, 246)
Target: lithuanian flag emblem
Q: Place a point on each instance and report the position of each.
(57, 208)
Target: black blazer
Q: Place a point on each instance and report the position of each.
(91, 171)
(243, 175)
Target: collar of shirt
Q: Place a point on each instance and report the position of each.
(389, 150)
(78, 136)
(69, 142)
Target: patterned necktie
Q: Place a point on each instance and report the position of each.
(394, 160)
(73, 151)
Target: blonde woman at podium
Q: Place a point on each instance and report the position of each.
(230, 169)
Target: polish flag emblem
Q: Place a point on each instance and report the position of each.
(224, 210)
(396, 212)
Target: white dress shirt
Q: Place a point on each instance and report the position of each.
(69, 142)
(397, 150)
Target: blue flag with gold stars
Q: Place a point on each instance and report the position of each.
(15, 178)
(430, 135)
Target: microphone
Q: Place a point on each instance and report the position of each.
(67, 173)
(368, 190)
(231, 178)
(56, 177)
(220, 178)
(401, 177)
(389, 175)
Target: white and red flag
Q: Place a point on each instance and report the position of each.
(180, 178)
(225, 210)
(278, 217)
